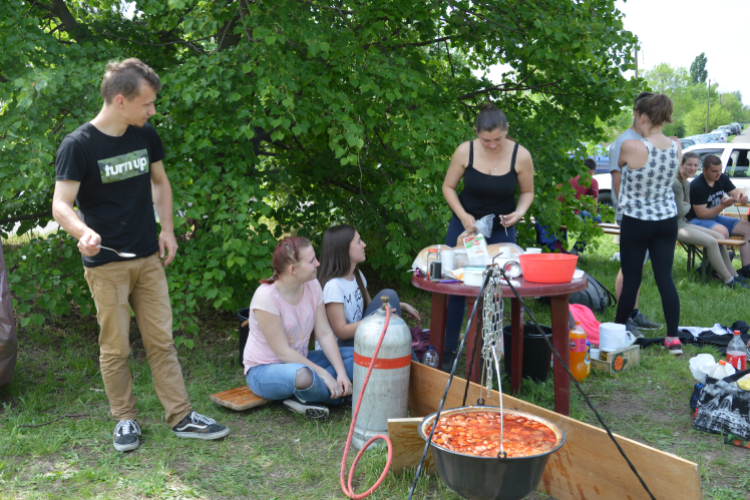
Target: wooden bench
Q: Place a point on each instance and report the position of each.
(695, 250)
(238, 399)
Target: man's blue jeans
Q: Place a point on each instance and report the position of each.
(276, 380)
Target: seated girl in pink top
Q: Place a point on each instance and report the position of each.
(283, 313)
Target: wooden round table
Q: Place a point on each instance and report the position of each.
(558, 294)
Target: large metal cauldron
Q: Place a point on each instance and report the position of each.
(486, 478)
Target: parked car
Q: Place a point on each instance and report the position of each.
(687, 142)
(735, 161)
(727, 129)
(736, 127)
(722, 135)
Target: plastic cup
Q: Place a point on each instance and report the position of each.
(448, 259)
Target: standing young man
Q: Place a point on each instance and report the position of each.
(637, 320)
(109, 167)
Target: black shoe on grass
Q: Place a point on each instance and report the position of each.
(126, 435)
(313, 411)
(643, 323)
(197, 426)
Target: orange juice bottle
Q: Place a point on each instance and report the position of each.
(578, 352)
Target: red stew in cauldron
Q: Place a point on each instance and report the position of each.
(478, 433)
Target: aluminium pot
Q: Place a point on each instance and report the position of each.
(488, 478)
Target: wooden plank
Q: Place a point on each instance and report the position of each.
(588, 466)
(408, 446)
(239, 399)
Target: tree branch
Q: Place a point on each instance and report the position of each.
(75, 30)
(325, 7)
(19, 218)
(422, 44)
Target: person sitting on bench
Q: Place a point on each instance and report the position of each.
(707, 196)
(698, 235)
(283, 313)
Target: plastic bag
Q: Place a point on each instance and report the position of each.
(484, 225)
(8, 338)
(702, 365)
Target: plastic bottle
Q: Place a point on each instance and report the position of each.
(578, 366)
(431, 358)
(720, 371)
(588, 357)
(736, 352)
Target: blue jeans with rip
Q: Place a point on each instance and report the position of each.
(275, 381)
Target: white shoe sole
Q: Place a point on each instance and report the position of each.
(313, 413)
(127, 447)
(200, 435)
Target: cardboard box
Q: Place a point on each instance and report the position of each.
(617, 361)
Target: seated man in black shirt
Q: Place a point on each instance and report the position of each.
(710, 194)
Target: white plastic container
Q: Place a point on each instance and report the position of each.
(722, 370)
(448, 258)
(460, 258)
(473, 276)
(614, 336)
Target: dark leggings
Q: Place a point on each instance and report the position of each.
(659, 238)
(457, 303)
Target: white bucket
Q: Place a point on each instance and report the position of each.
(614, 336)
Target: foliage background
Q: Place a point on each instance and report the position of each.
(289, 116)
(690, 97)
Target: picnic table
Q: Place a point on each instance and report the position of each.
(558, 294)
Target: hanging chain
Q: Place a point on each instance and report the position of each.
(492, 348)
(492, 328)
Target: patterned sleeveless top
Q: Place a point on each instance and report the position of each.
(646, 193)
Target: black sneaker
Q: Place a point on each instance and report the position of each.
(744, 271)
(643, 323)
(448, 359)
(736, 283)
(126, 435)
(197, 426)
(313, 411)
(632, 328)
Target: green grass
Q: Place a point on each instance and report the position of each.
(274, 454)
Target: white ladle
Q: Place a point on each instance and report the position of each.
(124, 255)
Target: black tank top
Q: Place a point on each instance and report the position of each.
(485, 194)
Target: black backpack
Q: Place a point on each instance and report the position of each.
(596, 296)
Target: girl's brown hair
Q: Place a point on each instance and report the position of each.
(286, 253)
(490, 118)
(658, 107)
(334, 257)
(688, 155)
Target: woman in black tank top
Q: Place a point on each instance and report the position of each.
(492, 166)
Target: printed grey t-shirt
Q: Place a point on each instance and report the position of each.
(614, 157)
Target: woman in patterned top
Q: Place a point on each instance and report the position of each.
(649, 212)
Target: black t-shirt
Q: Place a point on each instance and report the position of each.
(114, 198)
(703, 194)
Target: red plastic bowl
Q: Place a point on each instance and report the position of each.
(548, 267)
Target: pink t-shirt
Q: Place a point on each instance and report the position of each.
(298, 321)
